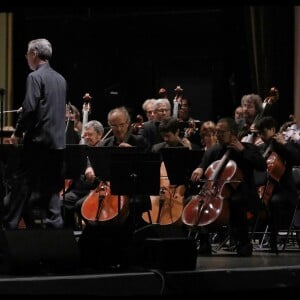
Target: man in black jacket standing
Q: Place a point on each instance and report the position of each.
(41, 129)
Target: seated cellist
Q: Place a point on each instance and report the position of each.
(81, 187)
(247, 158)
(284, 191)
(167, 207)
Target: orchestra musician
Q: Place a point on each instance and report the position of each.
(169, 130)
(120, 123)
(190, 130)
(244, 197)
(238, 114)
(149, 131)
(148, 108)
(81, 187)
(208, 134)
(97, 239)
(252, 109)
(73, 124)
(167, 207)
(284, 192)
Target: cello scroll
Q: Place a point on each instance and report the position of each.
(177, 100)
(85, 113)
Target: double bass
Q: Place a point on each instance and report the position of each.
(210, 206)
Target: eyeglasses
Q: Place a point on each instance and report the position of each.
(221, 132)
(150, 112)
(122, 125)
(29, 52)
(162, 110)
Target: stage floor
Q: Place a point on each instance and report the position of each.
(221, 273)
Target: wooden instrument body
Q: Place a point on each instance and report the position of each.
(167, 207)
(101, 207)
(210, 206)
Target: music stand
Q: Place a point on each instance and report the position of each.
(10, 157)
(100, 158)
(194, 159)
(180, 163)
(9, 161)
(135, 173)
(75, 160)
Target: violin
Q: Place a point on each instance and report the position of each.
(191, 128)
(290, 130)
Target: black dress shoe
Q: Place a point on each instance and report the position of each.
(204, 249)
(244, 250)
(298, 236)
(273, 245)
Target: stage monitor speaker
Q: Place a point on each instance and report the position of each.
(104, 247)
(38, 250)
(164, 247)
(170, 254)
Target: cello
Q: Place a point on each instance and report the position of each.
(100, 206)
(276, 168)
(167, 207)
(85, 110)
(210, 207)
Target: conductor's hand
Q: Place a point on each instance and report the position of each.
(14, 140)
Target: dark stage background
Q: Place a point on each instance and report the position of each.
(123, 54)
